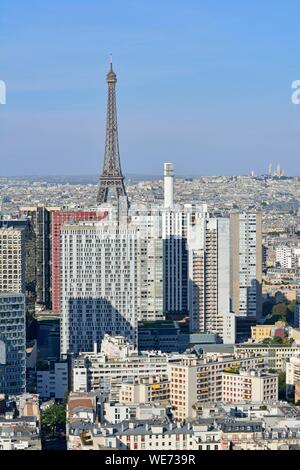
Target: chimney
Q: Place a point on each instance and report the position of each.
(168, 184)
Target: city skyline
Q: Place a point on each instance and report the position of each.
(160, 314)
(216, 100)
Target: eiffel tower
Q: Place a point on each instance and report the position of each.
(111, 177)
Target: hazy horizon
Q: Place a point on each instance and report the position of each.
(132, 176)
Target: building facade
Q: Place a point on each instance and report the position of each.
(209, 274)
(150, 435)
(91, 370)
(99, 286)
(58, 218)
(195, 381)
(20, 422)
(40, 220)
(246, 264)
(148, 222)
(145, 390)
(12, 343)
(53, 382)
(175, 222)
(29, 236)
(12, 260)
(276, 356)
(249, 386)
(117, 412)
(284, 257)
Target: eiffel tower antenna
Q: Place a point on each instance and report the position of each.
(112, 178)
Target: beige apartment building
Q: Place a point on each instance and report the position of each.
(260, 332)
(293, 379)
(183, 388)
(194, 381)
(249, 386)
(276, 356)
(12, 260)
(145, 390)
(208, 245)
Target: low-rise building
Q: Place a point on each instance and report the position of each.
(116, 347)
(20, 422)
(82, 406)
(219, 426)
(276, 355)
(144, 435)
(249, 386)
(52, 381)
(117, 412)
(194, 381)
(91, 370)
(145, 390)
(236, 433)
(261, 332)
(259, 435)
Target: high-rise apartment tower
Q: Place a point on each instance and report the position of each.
(246, 264)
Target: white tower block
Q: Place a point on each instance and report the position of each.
(168, 184)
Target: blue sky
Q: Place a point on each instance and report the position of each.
(203, 83)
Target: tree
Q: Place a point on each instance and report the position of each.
(288, 341)
(277, 340)
(267, 341)
(280, 309)
(54, 417)
(281, 386)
